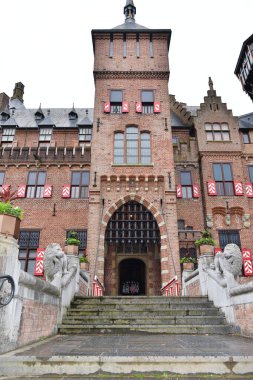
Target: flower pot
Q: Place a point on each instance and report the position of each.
(9, 225)
(206, 249)
(71, 250)
(85, 266)
(188, 266)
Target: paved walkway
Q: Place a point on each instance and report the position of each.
(121, 356)
(139, 345)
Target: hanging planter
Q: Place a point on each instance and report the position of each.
(10, 215)
(205, 243)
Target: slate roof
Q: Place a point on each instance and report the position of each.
(59, 117)
(175, 121)
(246, 121)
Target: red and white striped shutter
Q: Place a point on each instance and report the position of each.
(196, 192)
(6, 187)
(217, 250)
(21, 191)
(47, 191)
(238, 188)
(211, 188)
(248, 267)
(107, 107)
(39, 264)
(246, 254)
(179, 191)
(139, 107)
(157, 107)
(249, 189)
(66, 191)
(125, 107)
(247, 262)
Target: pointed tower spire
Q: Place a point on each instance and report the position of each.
(130, 11)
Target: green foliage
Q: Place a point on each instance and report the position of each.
(84, 260)
(206, 239)
(72, 239)
(187, 259)
(8, 209)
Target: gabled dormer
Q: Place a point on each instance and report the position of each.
(5, 115)
(39, 115)
(73, 114)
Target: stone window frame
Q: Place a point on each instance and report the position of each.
(224, 183)
(28, 249)
(187, 190)
(217, 132)
(122, 148)
(80, 186)
(36, 181)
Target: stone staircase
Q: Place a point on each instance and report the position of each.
(166, 315)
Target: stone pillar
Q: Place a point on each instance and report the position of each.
(10, 314)
(205, 261)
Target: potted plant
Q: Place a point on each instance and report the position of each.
(10, 215)
(84, 263)
(188, 262)
(205, 243)
(72, 244)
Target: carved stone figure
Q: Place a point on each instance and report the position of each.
(55, 262)
(230, 261)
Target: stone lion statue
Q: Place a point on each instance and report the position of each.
(229, 261)
(55, 262)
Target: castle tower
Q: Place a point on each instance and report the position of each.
(132, 240)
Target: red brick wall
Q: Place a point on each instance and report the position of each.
(244, 318)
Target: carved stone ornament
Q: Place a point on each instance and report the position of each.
(55, 262)
(209, 220)
(246, 220)
(229, 261)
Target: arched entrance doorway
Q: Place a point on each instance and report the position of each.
(132, 277)
(132, 233)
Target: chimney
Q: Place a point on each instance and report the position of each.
(18, 92)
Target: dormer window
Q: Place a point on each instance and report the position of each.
(4, 116)
(73, 115)
(39, 116)
(45, 135)
(85, 134)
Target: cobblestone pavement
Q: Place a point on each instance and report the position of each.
(140, 345)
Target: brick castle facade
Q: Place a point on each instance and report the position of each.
(139, 176)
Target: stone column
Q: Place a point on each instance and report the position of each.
(10, 314)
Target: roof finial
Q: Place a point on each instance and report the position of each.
(130, 11)
(210, 83)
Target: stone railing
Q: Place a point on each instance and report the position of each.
(172, 288)
(38, 306)
(224, 289)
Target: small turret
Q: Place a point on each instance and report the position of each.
(130, 11)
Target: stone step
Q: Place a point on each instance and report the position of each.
(157, 329)
(140, 312)
(138, 300)
(158, 320)
(147, 306)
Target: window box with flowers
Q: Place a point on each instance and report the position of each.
(10, 215)
(188, 262)
(205, 243)
(72, 244)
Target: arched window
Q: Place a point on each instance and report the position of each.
(132, 147)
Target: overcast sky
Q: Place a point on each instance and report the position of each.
(46, 44)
